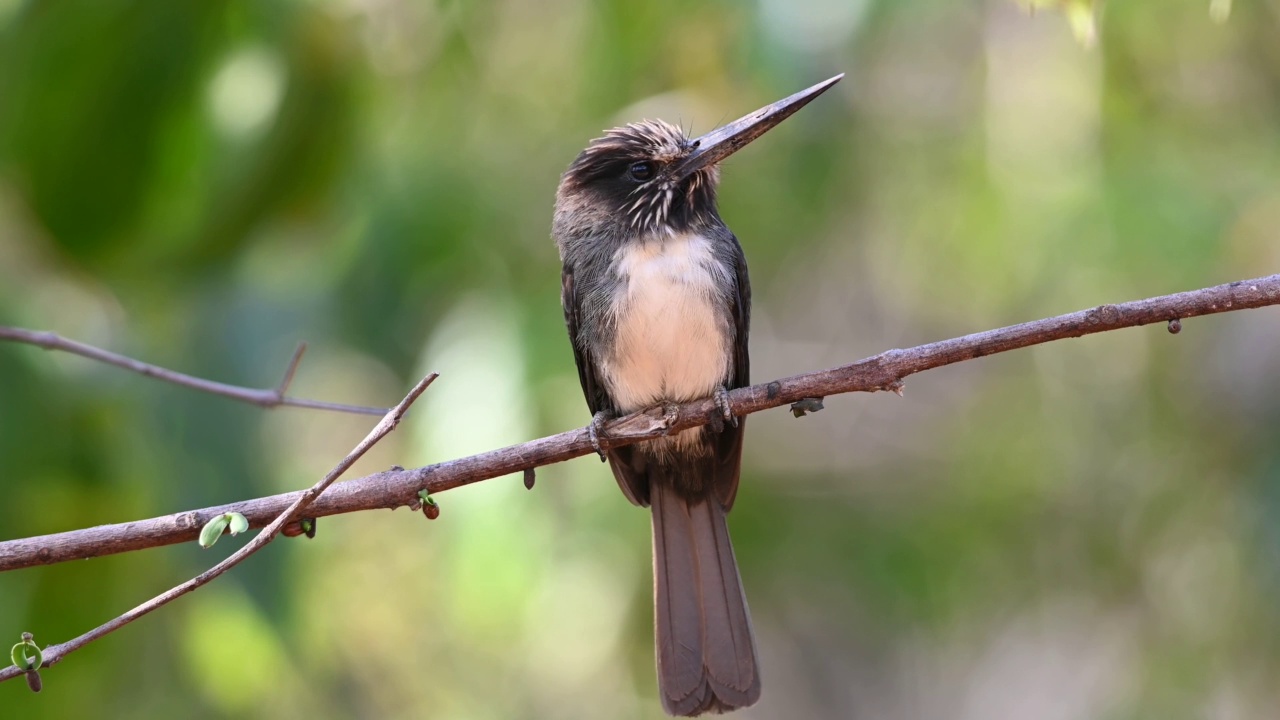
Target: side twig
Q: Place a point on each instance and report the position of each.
(55, 653)
(267, 398)
(395, 488)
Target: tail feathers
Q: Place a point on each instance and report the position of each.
(706, 649)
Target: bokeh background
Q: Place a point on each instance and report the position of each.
(1087, 529)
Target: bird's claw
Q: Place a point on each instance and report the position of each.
(670, 415)
(721, 397)
(593, 432)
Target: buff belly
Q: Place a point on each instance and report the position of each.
(672, 339)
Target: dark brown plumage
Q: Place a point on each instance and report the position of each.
(658, 306)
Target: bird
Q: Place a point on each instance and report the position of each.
(657, 302)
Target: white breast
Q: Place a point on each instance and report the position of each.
(672, 344)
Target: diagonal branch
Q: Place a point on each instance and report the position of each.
(267, 398)
(885, 371)
(55, 653)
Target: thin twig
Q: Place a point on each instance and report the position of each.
(267, 398)
(396, 488)
(55, 653)
(283, 388)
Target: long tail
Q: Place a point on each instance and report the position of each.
(706, 649)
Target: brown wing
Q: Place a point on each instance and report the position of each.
(592, 387)
(729, 442)
(628, 467)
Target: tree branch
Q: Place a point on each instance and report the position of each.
(395, 488)
(55, 653)
(267, 398)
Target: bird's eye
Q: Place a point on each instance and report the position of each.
(641, 171)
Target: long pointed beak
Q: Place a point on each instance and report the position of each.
(728, 139)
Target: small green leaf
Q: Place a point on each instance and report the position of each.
(20, 657)
(429, 506)
(239, 523)
(213, 530)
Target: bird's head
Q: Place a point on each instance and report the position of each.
(650, 178)
(637, 178)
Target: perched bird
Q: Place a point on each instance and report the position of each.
(658, 306)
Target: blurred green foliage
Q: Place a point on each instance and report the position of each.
(1082, 530)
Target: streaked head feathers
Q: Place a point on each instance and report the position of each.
(630, 176)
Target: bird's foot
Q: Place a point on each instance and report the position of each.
(721, 396)
(670, 415)
(594, 429)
